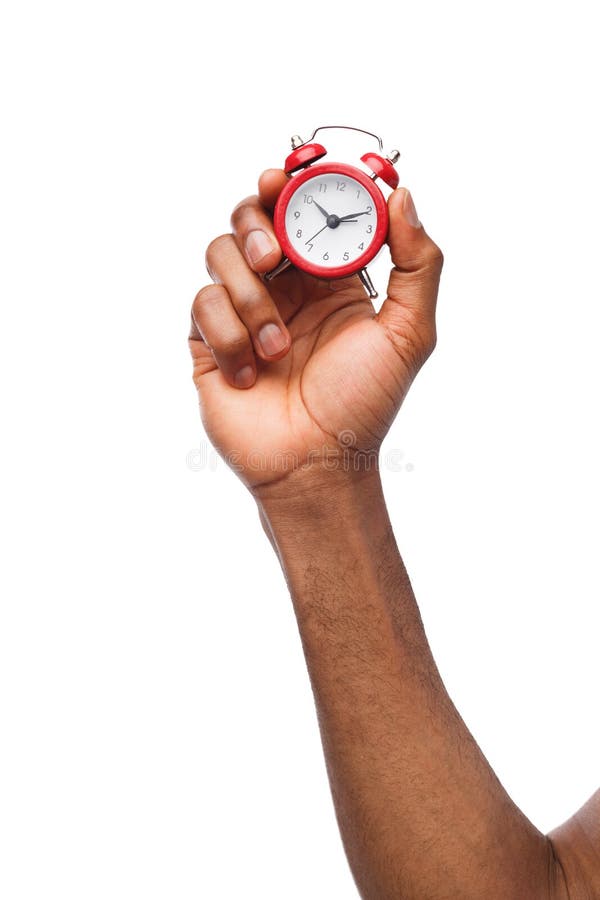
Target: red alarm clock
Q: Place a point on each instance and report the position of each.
(331, 219)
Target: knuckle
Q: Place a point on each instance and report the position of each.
(234, 343)
(428, 341)
(266, 173)
(253, 304)
(209, 295)
(269, 175)
(216, 247)
(433, 256)
(242, 210)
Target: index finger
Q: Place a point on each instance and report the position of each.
(270, 185)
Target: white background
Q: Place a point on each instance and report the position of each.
(158, 734)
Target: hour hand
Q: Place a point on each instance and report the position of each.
(320, 208)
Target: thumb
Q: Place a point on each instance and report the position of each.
(408, 313)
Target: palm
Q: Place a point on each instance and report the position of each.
(340, 382)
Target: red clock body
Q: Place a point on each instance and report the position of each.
(331, 220)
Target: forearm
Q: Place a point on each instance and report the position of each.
(421, 813)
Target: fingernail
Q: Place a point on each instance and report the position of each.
(245, 377)
(271, 339)
(258, 245)
(410, 213)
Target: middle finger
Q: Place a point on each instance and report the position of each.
(251, 300)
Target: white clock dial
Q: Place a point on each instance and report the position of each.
(331, 220)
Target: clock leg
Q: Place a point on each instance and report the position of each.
(283, 265)
(367, 284)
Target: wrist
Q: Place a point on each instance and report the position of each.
(336, 546)
(308, 506)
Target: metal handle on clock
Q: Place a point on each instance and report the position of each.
(283, 265)
(367, 284)
(365, 278)
(346, 128)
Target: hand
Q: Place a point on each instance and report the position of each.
(287, 372)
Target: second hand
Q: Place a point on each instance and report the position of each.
(314, 235)
(344, 221)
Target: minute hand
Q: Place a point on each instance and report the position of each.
(367, 212)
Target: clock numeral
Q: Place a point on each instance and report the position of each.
(361, 246)
(299, 233)
(326, 255)
(346, 256)
(296, 215)
(357, 195)
(341, 186)
(369, 209)
(322, 188)
(308, 198)
(369, 229)
(309, 247)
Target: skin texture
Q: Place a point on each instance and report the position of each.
(301, 419)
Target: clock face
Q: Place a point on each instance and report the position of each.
(334, 220)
